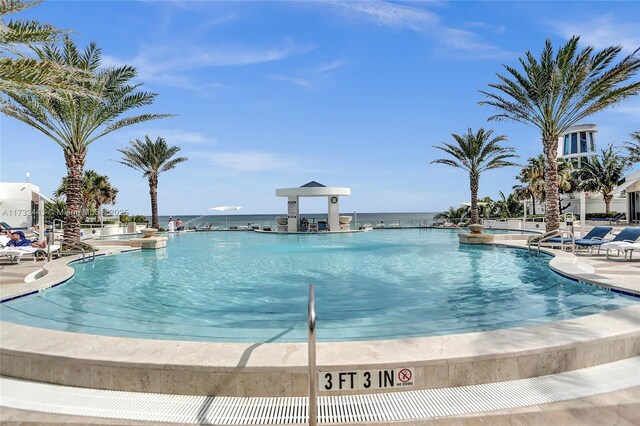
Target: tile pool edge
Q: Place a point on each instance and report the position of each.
(279, 369)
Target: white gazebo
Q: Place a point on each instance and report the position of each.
(313, 189)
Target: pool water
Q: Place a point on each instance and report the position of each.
(251, 287)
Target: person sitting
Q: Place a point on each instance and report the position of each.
(179, 225)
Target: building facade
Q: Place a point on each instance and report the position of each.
(577, 144)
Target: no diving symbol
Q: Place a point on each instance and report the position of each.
(404, 375)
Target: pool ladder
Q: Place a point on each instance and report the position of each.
(311, 321)
(70, 246)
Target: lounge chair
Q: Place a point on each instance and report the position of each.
(629, 248)
(629, 235)
(615, 219)
(15, 253)
(621, 246)
(567, 240)
(322, 225)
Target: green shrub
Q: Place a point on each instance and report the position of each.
(603, 215)
(139, 219)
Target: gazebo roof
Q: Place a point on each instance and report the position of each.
(313, 184)
(313, 189)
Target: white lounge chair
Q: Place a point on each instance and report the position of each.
(15, 253)
(621, 246)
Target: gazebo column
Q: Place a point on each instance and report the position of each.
(292, 213)
(333, 217)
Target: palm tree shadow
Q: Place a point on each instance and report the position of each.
(204, 409)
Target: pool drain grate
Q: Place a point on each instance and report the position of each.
(398, 406)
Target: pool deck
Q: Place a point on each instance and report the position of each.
(264, 369)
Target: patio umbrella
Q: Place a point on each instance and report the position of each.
(225, 209)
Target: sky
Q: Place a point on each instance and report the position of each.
(271, 95)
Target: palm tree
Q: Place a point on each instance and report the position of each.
(556, 92)
(532, 181)
(476, 153)
(56, 210)
(96, 191)
(151, 158)
(452, 214)
(633, 147)
(602, 175)
(20, 73)
(508, 207)
(74, 122)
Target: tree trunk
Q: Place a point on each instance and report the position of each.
(533, 204)
(473, 185)
(552, 214)
(607, 202)
(75, 167)
(153, 192)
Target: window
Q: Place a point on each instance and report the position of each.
(574, 143)
(583, 142)
(566, 145)
(593, 142)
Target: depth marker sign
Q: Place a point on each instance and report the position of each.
(330, 381)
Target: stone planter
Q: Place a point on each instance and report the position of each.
(110, 229)
(476, 238)
(476, 228)
(149, 232)
(149, 241)
(345, 220)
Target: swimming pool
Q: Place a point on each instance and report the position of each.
(249, 287)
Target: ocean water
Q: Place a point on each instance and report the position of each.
(234, 219)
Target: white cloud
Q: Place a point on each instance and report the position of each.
(392, 15)
(633, 110)
(169, 65)
(305, 84)
(601, 31)
(309, 79)
(466, 41)
(330, 66)
(395, 15)
(251, 161)
(172, 136)
(496, 29)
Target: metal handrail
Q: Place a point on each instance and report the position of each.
(312, 406)
(69, 245)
